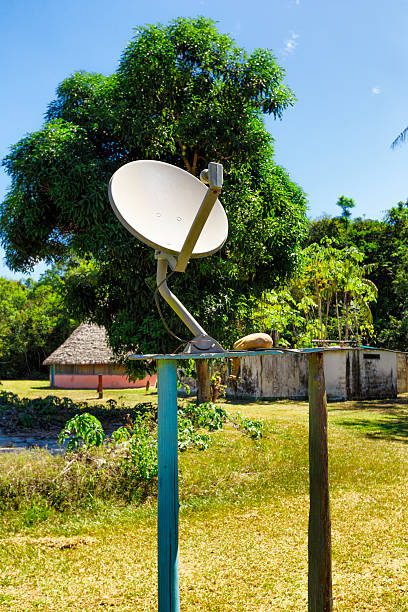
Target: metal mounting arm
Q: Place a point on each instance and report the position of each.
(201, 341)
(174, 303)
(214, 178)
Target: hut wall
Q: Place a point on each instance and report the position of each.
(349, 373)
(90, 381)
(371, 374)
(335, 375)
(402, 373)
(271, 376)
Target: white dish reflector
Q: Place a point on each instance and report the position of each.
(158, 202)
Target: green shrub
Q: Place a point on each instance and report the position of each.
(137, 450)
(207, 415)
(82, 430)
(122, 468)
(254, 429)
(188, 436)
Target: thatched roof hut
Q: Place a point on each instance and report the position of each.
(84, 356)
(88, 344)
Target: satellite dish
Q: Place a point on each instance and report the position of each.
(175, 213)
(158, 202)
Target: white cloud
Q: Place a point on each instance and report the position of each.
(376, 90)
(291, 43)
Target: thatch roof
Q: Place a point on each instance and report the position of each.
(86, 345)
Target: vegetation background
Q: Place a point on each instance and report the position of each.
(184, 93)
(35, 317)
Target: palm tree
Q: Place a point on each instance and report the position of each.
(346, 204)
(400, 139)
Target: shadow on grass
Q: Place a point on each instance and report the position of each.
(393, 427)
(278, 402)
(389, 406)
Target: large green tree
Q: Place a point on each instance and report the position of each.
(185, 94)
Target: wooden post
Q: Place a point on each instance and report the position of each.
(168, 503)
(319, 544)
(100, 386)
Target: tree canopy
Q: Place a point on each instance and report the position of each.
(185, 94)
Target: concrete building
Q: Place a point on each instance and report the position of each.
(402, 372)
(350, 373)
(83, 357)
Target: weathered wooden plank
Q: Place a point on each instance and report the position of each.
(100, 386)
(168, 502)
(319, 545)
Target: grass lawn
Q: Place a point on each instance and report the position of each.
(41, 388)
(243, 524)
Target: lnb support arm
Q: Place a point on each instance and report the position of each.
(214, 178)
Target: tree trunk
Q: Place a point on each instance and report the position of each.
(326, 318)
(320, 318)
(346, 300)
(338, 317)
(203, 380)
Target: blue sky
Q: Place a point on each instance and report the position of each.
(345, 60)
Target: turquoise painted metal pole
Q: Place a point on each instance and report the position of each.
(168, 503)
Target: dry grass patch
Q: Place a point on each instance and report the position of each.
(243, 529)
(59, 542)
(249, 560)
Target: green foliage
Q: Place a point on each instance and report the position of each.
(33, 512)
(60, 483)
(253, 428)
(33, 322)
(185, 369)
(207, 415)
(330, 298)
(120, 468)
(82, 430)
(137, 447)
(192, 417)
(185, 94)
(50, 412)
(188, 436)
(346, 204)
(384, 245)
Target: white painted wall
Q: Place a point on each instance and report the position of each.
(402, 372)
(349, 374)
(335, 374)
(378, 377)
(271, 376)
